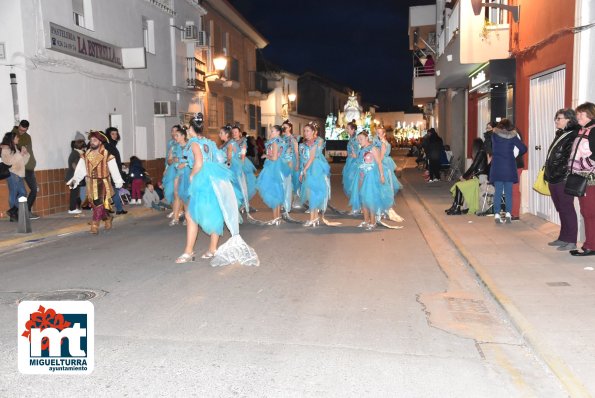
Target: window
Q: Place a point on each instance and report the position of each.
(497, 16)
(212, 113)
(82, 12)
(234, 70)
(149, 35)
(227, 110)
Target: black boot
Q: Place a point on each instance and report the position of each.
(456, 203)
(13, 213)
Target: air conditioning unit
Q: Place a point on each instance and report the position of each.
(202, 39)
(164, 108)
(190, 33)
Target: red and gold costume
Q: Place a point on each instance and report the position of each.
(98, 168)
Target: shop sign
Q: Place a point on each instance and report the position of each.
(81, 46)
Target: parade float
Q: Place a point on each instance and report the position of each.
(335, 127)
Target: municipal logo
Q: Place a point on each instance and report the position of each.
(56, 337)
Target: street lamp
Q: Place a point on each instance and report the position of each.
(220, 64)
(291, 97)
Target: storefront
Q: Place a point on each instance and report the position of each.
(491, 97)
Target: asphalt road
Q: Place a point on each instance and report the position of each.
(331, 311)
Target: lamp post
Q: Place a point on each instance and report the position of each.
(220, 63)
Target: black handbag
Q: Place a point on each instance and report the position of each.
(4, 171)
(576, 184)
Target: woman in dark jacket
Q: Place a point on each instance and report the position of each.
(503, 173)
(468, 188)
(555, 172)
(433, 146)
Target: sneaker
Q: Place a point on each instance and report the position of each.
(497, 219)
(121, 212)
(508, 218)
(557, 242)
(33, 216)
(170, 215)
(75, 211)
(567, 247)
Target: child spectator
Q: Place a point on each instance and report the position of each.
(159, 190)
(137, 175)
(151, 199)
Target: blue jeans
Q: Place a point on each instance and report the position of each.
(117, 200)
(506, 188)
(16, 189)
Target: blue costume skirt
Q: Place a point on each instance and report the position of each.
(389, 166)
(238, 177)
(348, 174)
(249, 171)
(315, 187)
(204, 206)
(184, 184)
(367, 192)
(169, 179)
(270, 182)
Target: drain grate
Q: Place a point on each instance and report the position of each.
(65, 295)
(557, 284)
(457, 304)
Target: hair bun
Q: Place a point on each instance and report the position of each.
(198, 118)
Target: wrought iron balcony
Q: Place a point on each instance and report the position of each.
(195, 74)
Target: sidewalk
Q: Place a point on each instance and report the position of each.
(58, 224)
(548, 294)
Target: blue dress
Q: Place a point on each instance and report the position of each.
(389, 166)
(239, 178)
(171, 171)
(367, 191)
(350, 168)
(315, 189)
(271, 180)
(248, 168)
(184, 174)
(290, 158)
(211, 191)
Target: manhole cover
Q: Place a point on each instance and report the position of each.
(65, 295)
(457, 304)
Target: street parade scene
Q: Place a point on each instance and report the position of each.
(222, 198)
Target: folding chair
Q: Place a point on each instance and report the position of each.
(453, 172)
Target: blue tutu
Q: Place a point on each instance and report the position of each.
(249, 171)
(389, 166)
(184, 184)
(349, 172)
(169, 180)
(270, 182)
(367, 191)
(315, 187)
(238, 176)
(204, 207)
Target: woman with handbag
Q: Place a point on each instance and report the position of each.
(16, 160)
(555, 172)
(582, 165)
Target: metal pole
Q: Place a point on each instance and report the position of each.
(15, 98)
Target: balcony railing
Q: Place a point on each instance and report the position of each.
(195, 72)
(258, 82)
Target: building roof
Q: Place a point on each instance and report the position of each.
(228, 11)
(326, 81)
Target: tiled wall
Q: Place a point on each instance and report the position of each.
(53, 196)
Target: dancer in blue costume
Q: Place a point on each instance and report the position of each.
(247, 164)
(367, 189)
(314, 174)
(350, 168)
(292, 157)
(389, 166)
(172, 172)
(272, 182)
(212, 203)
(231, 150)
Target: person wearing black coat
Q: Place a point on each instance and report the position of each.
(113, 136)
(478, 168)
(433, 147)
(555, 172)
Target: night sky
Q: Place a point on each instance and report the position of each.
(362, 44)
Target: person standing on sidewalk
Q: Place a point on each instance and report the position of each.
(77, 146)
(16, 159)
(113, 137)
(433, 147)
(503, 172)
(582, 162)
(25, 141)
(555, 172)
(99, 167)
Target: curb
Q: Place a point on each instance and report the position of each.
(76, 228)
(572, 384)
